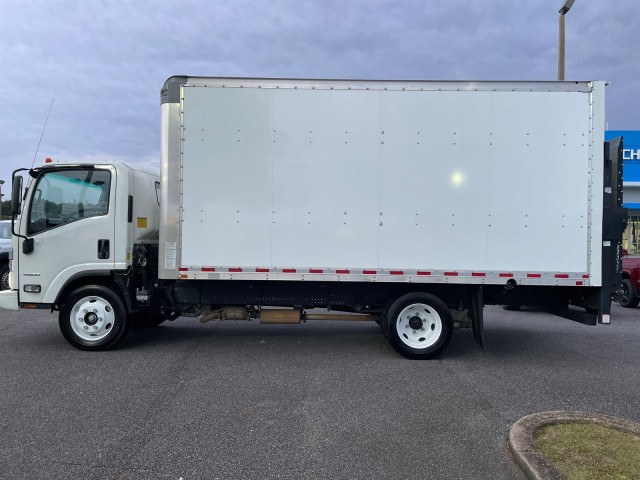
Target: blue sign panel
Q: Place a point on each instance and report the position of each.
(630, 152)
(630, 157)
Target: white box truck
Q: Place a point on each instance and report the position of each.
(409, 203)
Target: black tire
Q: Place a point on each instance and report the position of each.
(93, 318)
(419, 325)
(629, 297)
(4, 277)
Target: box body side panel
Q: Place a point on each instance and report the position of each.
(376, 180)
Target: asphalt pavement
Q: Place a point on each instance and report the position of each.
(324, 400)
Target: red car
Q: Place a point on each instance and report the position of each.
(630, 281)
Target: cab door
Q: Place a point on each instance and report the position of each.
(69, 228)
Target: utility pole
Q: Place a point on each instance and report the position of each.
(566, 6)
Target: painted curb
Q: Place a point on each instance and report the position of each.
(532, 462)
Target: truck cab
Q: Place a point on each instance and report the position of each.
(75, 226)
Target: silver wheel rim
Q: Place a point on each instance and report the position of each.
(92, 318)
(4, 282)
(419, 326)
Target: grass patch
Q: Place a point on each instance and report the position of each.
(586, 451)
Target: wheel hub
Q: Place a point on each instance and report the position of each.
(416, 323)
(91, 318)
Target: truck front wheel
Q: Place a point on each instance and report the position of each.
(629, 297)
(419, 325)
(93, 318)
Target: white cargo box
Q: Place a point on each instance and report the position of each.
(459, 182)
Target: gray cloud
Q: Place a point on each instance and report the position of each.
(105, 61)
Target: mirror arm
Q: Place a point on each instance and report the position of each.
(16, 200)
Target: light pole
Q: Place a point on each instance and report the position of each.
(566, 6)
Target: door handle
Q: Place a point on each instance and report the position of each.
(103, 248)
(27, 246)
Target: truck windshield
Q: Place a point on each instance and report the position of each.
(65, 196)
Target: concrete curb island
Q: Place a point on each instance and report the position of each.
(532, 462)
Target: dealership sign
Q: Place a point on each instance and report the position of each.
(630, 143)
(630, 155)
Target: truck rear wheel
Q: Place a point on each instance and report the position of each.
(93, 318)
(419, 325)
(629, 297)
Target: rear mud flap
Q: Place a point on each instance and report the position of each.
(476, 305)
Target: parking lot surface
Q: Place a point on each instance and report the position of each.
(321, 400)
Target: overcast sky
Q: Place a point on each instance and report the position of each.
(104, 62)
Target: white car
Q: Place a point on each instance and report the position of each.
(5, 253)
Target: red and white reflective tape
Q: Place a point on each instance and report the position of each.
(393, 275)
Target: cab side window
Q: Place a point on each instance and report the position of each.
(66, 196)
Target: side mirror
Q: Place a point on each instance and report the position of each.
(16, 196)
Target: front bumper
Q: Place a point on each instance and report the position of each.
(9, 300)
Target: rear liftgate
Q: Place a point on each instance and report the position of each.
(597, 301)
(614, 221)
